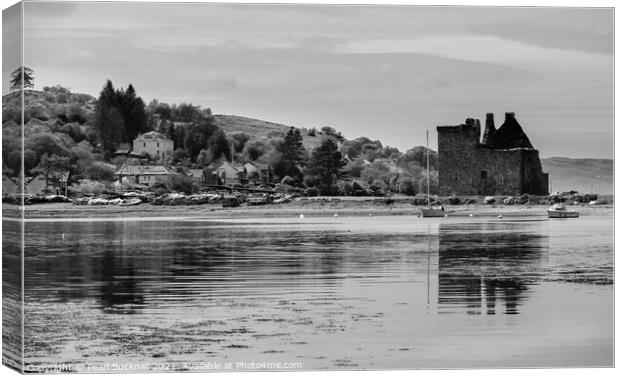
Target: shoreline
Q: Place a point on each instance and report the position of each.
(313, 208)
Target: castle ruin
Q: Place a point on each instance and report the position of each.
(503, 163)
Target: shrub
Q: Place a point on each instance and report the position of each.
(311, 192)
(180, 182)
(454, 200)
(89, 187)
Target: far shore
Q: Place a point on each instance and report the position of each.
(325, 206)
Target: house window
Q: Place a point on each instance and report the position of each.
(143, 144)
(157, 152)
(483, 174)
(158, 144)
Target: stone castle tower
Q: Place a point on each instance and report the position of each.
(503, 163)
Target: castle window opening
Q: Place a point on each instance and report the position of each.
(483, 174)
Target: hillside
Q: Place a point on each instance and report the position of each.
(259, 128)
(583, 175)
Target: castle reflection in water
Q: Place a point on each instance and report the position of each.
(486, 268)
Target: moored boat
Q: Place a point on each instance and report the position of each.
(430, 211)
(433, 211)
(558, 211)
(131, 202)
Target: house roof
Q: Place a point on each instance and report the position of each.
(237, 166)
(197, 173)
(152, 136)
(509, 135)
(141, 170)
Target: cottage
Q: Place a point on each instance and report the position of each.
(253, 172)
(10, 185)
(154, 144)
(39, 184)
(232, 173)
(144, 174)
(210, 177)
(197, 176)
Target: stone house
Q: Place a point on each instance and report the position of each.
(154, 144)
(144, 174)
(504, 162)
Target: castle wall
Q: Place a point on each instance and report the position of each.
(466, 167)
(457, 155)
(534, 180)
(503, 172)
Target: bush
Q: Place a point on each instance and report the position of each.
(89, 187)
(407, 186)
(454, 200)
(378, 188)
(311, 192)
(180, 182)
(99, 172)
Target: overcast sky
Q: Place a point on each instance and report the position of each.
(388, 73)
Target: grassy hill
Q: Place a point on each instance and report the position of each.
(582, 175)
(259, 128)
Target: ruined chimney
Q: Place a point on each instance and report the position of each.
(489, 130)
(510, 116)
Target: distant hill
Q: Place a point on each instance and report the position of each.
(582, 175)
(259, 128)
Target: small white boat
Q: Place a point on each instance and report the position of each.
(558, 211)
(131, 202)
(433, 211)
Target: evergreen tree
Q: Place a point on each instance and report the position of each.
(325, 167)
(219, 146)
(133, 109)
(292, 155)
(16, 78)
(109, 120)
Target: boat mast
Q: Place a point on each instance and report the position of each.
(428, 175)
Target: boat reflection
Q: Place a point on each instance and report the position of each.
(486, 268)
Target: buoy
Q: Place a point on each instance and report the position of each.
(500, 216)
(471, 215)
(370, 214)
(301, 216)
(63, 236)
(335, 216)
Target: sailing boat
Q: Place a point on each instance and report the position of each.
(430, 211)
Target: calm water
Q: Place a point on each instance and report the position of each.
(353, 292)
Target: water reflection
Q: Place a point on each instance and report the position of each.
(485, 268)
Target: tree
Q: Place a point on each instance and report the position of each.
(16, 78)
(197, 137)
(325, 166)
(239, 140)
(219, 146)
(53, 168)
(292, 153)
(109, 120)
(133, 110)
(254, 149)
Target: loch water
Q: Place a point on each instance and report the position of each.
(359, 292)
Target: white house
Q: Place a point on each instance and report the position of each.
(154, 144)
